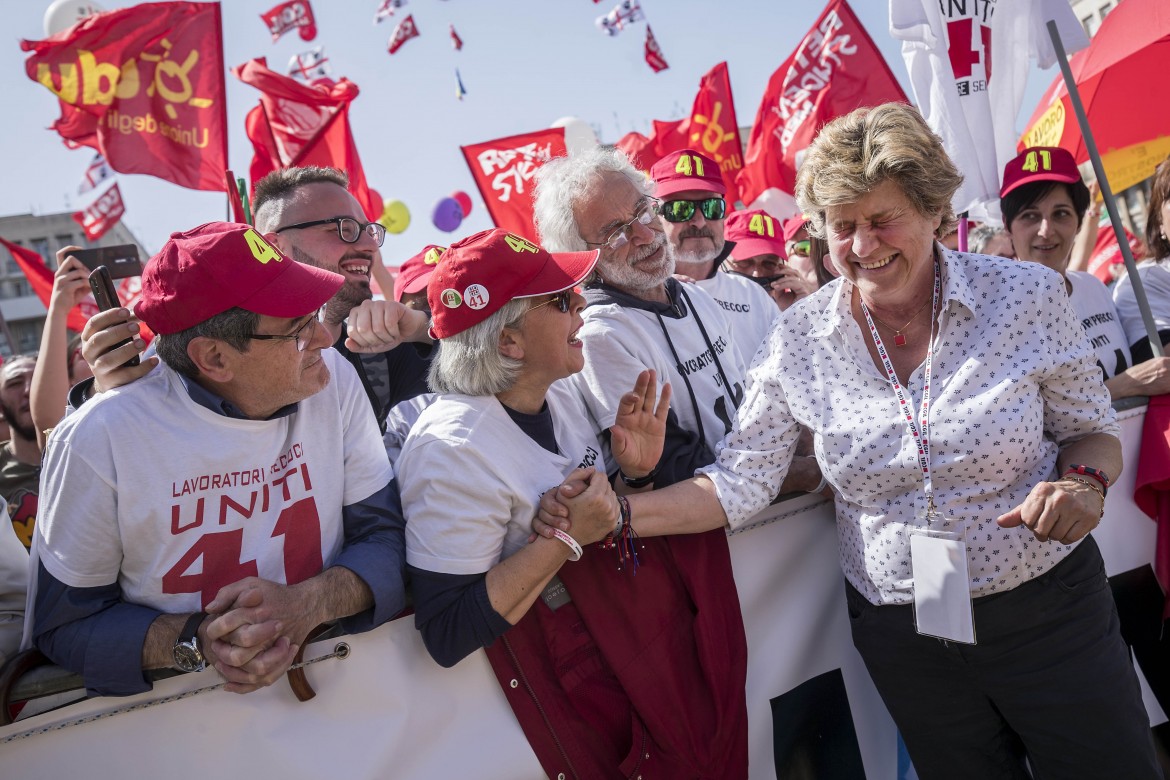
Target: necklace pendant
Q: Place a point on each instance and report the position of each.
(899, 339)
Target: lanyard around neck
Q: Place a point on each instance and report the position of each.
(921, 430)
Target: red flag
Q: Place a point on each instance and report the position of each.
(101, 215)
(143, 86)
(1106, 255)
(40, 278)
(710, 128)
(714, 129)
(403, 33)
(303, 124)
(654, 56)
(639, 148)
(293, 15)
(456, 41)
(503, 171)
(835, 69)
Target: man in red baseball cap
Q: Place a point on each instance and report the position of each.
(758, 253)
(308, 213)
(215, 511)
(691, 189)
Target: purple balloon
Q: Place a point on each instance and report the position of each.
(448, 215)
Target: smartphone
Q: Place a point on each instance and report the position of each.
(101, 282)
(122, 260)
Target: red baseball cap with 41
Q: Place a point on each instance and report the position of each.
(477, 275)
(221, 265)
(1039, 163)
(686, 170)
(754, 232)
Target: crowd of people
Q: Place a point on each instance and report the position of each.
(525, 424)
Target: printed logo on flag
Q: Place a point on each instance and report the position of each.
(293, 15)
(142, 86)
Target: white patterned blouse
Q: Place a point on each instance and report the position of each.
(1014, 380)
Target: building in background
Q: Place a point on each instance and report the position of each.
(1092, 13)
(44, 234)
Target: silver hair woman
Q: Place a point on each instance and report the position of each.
(962, 424)
(504, 429)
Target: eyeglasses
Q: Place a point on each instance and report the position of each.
(349, 229)
(563, 300)
(800, 248)
(621, 235)
(303, 335)
(683, 210)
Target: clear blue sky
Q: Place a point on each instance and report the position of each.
(525, 63)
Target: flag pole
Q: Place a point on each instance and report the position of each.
(1106, 191)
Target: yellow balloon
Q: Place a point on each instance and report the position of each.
(395, 217)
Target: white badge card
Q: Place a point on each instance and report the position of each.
(942, 587)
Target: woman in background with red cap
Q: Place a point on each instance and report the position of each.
(1043, 202)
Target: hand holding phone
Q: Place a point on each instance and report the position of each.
(106, 295)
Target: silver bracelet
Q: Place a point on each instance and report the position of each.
(824, 483)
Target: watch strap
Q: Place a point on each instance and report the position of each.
(191, 627)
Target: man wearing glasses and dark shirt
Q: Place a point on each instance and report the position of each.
(310, 215)
(215, 511)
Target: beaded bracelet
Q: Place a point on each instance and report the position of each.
(624, 539)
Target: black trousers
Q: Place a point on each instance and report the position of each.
(1050, 680)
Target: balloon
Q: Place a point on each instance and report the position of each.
(579, 136)
(63, 14)
(395, 217)
(447, 215)
(464, 201)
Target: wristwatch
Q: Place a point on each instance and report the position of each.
(187, 653)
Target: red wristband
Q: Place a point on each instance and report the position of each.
(1088, 471)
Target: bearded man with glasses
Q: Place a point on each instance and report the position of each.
(638, 316)
(217, 510)
(309, 214)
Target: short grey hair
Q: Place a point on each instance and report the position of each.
(981, 235)
(563, 182)
(854, 154)
(469, 362)
(235, 327)
(273, 193)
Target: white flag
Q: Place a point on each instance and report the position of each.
(309, 65)
(97, 172)
(622, 14)
(968, 64)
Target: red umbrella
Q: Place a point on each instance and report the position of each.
(1122, 81)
